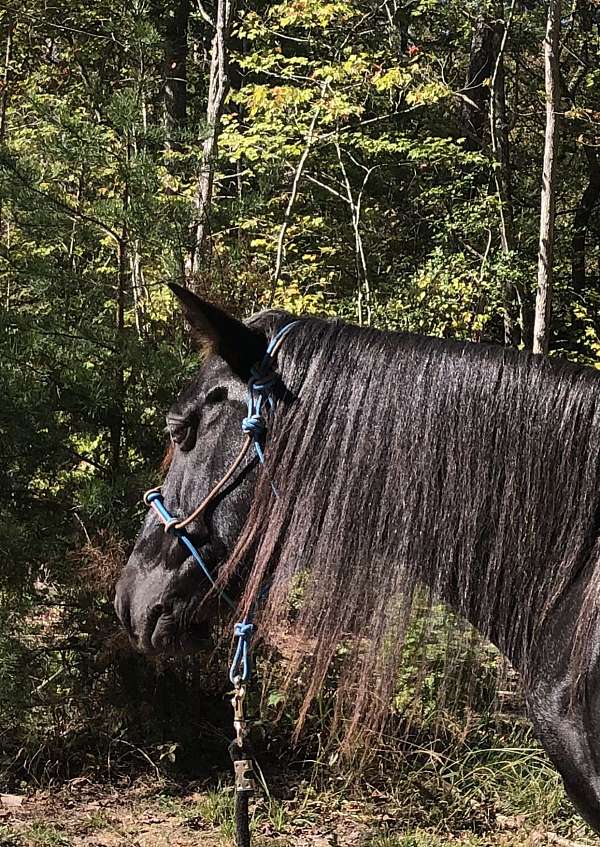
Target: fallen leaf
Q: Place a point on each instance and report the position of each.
(510, 821)
(11, 800)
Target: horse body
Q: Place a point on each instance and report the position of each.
(399, 461)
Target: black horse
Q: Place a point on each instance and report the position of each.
(399, 461)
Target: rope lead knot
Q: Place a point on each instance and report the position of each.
(243, 630)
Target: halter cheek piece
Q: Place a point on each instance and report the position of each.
(260, 393)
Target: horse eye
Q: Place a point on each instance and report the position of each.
(183, 434)
(216, 395)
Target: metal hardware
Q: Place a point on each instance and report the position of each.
(239, 713)
(244, 775)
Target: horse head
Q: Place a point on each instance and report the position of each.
(163, 598)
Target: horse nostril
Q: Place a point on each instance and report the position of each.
(153, 618)
(126, 620)
(123, 610)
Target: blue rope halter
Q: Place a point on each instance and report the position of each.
(260, 385)
(260, 394)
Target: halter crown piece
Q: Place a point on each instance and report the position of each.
(260, 394)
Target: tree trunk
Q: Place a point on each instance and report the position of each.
(80, 190)
(363, 305)
(541, 329)
(485, 105)
(175, 69)
(117, 417)
(499, 134)
(501, 147)
(481, 69)
(4, 98)
(138, 288)
(6, 78)
(287, 217)
(217, 92)
(587, 203)
(116, 420)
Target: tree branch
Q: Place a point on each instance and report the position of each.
(70, 211)
(292, 199)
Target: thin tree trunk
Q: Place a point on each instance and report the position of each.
(399, 22)
(362, 272)
(116, 423)
(541, 329)
(4, 99)
(499, 134)
(6, 79)
(481, 69)
(175, 69)
(589, 200)
(280, 256)
(138, 288)
(591, 193)
(218, 89)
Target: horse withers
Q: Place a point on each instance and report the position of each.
(400, 463)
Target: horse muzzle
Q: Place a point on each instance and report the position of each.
(164, 612)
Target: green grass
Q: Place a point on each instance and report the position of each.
(8, 837)
(416, 839)
(95, 822)
(215, 808)
(46, 835)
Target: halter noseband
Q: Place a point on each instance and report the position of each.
(263, 378)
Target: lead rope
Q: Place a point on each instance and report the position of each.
(240, 750)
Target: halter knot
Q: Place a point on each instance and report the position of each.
(254, 425)
(263, 376)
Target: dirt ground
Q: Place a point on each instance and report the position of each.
(156, 814)
(94, 816)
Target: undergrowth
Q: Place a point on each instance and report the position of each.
(457, 756)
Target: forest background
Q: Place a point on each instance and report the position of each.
(375, 161)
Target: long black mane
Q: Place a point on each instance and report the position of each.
(470, 469)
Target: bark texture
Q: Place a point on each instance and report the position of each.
(481, 69)
(541, 328)
(175, 68)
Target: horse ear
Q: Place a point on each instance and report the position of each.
(217, 333)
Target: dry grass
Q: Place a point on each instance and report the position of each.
(100, 561)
